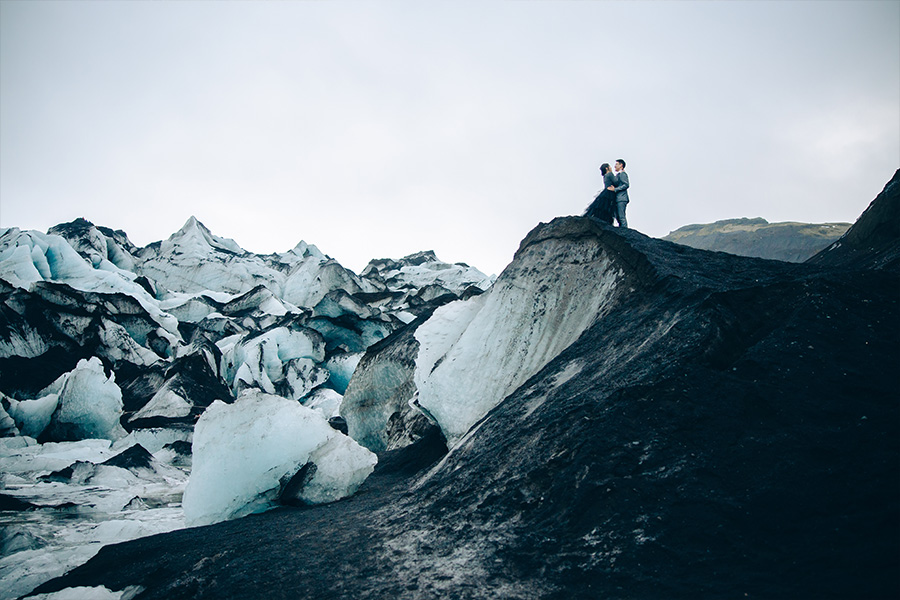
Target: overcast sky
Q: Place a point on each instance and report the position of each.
(377, 129)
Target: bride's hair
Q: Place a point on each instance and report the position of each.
(604, 168)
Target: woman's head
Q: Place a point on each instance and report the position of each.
(604, 168)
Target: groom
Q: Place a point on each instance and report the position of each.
(621, 191)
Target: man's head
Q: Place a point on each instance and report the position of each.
(620, 165)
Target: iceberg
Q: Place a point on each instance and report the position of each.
(90, 405)
(247, 456)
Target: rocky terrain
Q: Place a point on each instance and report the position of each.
(792, 242)
(616, 417)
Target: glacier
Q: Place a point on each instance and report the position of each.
(111, 349)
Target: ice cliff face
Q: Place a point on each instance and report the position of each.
(473, 353)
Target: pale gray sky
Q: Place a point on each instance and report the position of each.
(377, 129)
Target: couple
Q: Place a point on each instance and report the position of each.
(611, 202)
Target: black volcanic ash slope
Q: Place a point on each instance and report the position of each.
(872, 241)
(730, 429)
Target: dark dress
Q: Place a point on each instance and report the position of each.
(604, 205)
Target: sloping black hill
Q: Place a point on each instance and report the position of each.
(752, 449)
(873, 242)
(731, 430)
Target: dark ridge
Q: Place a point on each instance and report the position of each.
(244, 304)
(739, 221)
(62, 475)
(469, 292)
(138, 385)
(372, 297)
(180, 447)
(116, 234)
(197, 380)
(419, 258)
(78, 228)
(134, 457)
(146, 284)
(189, 375)
(873, 242)
(12, 503)
(405, 463)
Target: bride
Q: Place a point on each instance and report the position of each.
(603, 206)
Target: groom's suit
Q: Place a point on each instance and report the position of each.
(622, 188)
(621, 198)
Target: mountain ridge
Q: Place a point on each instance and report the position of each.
(787, 241)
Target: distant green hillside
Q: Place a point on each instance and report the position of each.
(789, 241)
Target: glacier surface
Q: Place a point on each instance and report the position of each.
(106, 347)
